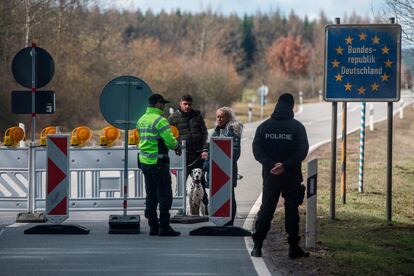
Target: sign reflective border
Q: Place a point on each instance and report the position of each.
(362, 62)
(57, 178)
(221, 179)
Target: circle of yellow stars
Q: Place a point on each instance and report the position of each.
(375, 40)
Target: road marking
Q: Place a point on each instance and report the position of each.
(258, 263)
(1, 231)
(16, 225)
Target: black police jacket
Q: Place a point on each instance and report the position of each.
(282, 139)
(192, 129)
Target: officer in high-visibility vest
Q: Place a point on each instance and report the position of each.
(156, 138)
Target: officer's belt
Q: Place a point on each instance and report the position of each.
(153, 155)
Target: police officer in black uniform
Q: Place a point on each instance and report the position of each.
(280, 145)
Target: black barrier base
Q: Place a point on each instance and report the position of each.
(220, 231)
(30, 217)
(59, 229)
(120, 224)
(184, 219)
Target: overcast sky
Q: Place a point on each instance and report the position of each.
(311, 8)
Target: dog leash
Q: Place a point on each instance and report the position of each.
(195, 161)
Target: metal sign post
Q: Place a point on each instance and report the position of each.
(334, 124)
(262, 91)
(389, 137)
(33, 68)
(123, 100)
(362, 64)
(249, 112)
(343, 152)
(361, 149)
(126, 130)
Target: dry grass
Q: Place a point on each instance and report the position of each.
(359, 241)
(241, 110)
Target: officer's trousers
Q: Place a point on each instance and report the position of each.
(273, 187)
(158, 190)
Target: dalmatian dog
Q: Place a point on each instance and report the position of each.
(197, 193)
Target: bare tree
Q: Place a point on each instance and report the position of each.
(403, 10)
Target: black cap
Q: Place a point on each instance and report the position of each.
(157, 98)
(288, 99)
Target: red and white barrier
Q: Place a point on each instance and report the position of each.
(57, 178)
(221, 176)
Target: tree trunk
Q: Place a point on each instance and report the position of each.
(27, 24)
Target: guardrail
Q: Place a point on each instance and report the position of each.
(96, 179)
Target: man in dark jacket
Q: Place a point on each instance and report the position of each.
(280, 145)
(193, 130)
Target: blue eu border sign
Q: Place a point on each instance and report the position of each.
(362, 63)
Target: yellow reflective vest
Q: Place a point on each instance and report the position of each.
(155, 136)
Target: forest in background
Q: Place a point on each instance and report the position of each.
(218, 59)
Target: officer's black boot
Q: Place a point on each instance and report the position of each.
(168, 231)
(295, 251)
(257, 250)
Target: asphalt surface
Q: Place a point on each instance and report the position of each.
(102, 254)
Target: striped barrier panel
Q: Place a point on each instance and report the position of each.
(57, 178)
(221, 176)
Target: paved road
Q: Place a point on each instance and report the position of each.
(101, 254)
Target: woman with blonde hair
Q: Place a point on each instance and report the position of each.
(227, 125)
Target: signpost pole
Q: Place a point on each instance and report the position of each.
(389, 154)
(122, 102)
(361, 149)
(125, 204)
(261, 103)
(33, 91)
(333, 160)
(343, 153)
(333, 152)
(389, 161)
(32, 67)
(30, 194)
(249, 113)
(262, 91)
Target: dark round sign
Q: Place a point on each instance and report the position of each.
(123, 100)
(22, 67)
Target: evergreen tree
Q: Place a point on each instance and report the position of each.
(248, 43)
